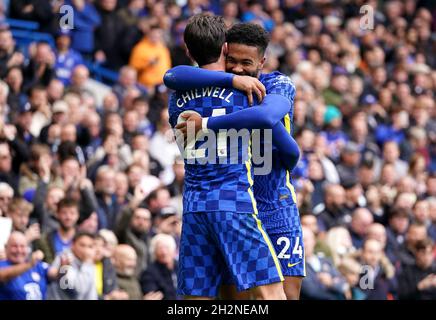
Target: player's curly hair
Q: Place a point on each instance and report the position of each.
(249, 34)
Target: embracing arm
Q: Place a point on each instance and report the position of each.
(188, 77)
(264, 116)
(287, 147)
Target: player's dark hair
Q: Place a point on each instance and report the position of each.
(249, 34)
(204, 37)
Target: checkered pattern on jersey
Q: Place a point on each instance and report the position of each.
(214, 244)
(214, 187)
(284, 229)
(271, 191)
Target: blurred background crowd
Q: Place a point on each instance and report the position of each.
(91, 181)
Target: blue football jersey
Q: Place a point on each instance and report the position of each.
(275, 189)
(225, 183)
(31, 285)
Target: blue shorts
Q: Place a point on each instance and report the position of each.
(216, 245)
(284, 229)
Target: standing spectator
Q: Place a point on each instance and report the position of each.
(40, 69)
(108, 35)
(6, 173)
(19, 212)
(66, 57)
(9, 56)
(108, 207)
(159, 280)
(86, 20)
(57, 241)
(76, 271)
(22, 277)
(151, 58)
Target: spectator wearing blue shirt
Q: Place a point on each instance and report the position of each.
(255, 13)
(335, 137)
(22, 278)
(66, 58)
(57, 241)
(86, 20)
(395, 131)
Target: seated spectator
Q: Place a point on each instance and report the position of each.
(309, 221)
(359, 227)
(76, 271)
(418, 281)
(350, 270)
(378, 279)
(127, 79)
(396, 232)
(125, 265)
(415, 233)
(55, 242)
(158, 281)
(323, 281)
(332, 213)
(339, 241)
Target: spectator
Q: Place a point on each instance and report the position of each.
(108, 34)
(415, 233)
(6, 195)
(379, 279)
(40, 69)
(333, 211)
(66, 57)
(108, 207)
(125, 263)
(77, 269)
(151, 58)
(159, 280)
(323, 281)
(417, 281)
(86, 20)
(22, 277)
(19, 211)
(359, 227)
(6, 174)
(9, 56)
(134, 230)
(350, 270)
(105, 275)
(59, 240)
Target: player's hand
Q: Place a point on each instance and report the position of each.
(250, 85)
(191, 117)
(153, 295)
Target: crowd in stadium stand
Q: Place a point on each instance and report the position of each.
(91, 178)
